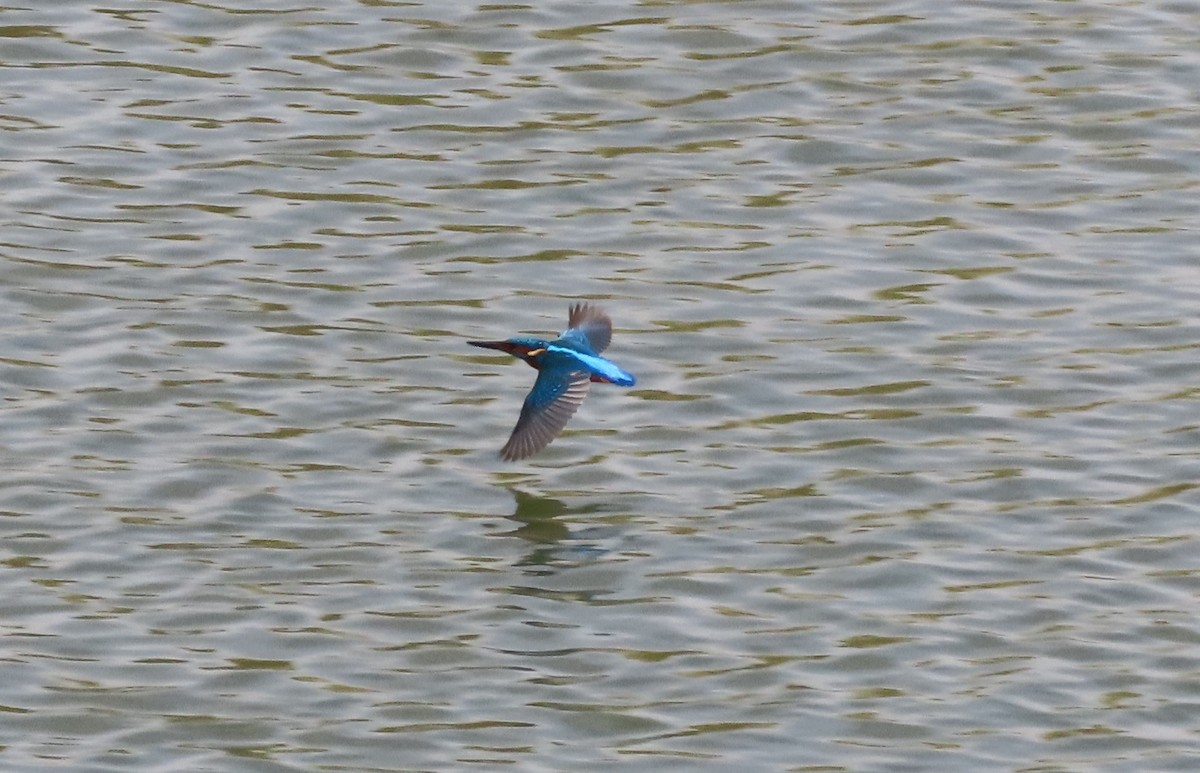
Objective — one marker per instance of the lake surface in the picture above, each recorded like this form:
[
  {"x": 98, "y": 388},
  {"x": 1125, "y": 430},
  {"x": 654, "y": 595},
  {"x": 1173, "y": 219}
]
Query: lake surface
[{"x": 908, "y": 481}]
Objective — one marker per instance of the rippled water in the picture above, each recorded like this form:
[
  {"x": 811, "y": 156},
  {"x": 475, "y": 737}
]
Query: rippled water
[{"x": 908, "y": 481}]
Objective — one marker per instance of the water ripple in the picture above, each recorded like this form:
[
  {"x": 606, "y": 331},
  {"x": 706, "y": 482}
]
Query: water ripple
[{"x": 910, "y": 466}]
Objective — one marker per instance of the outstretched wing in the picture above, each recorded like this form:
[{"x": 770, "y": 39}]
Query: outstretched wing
[
  {"x": 555, "y": 397},
  {"x": 591, "y": 323}
]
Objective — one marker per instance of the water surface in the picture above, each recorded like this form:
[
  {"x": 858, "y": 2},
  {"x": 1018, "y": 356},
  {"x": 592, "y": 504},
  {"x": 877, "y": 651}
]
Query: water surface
[{"x": 908, "y": 480}]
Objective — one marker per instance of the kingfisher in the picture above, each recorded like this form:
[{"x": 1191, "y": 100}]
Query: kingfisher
[{"x": 566, "y": 368}]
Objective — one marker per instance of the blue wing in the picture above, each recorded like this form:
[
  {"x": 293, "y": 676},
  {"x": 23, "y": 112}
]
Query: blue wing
[
  {"x": 556, "y": 395},
  {"x": 589, "y": 325}
]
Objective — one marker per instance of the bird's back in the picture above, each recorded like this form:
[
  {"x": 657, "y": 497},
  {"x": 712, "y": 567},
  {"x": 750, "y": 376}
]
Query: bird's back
[
  {"x": 576, "y": 340},
  {"x": 572, "y": 359}
]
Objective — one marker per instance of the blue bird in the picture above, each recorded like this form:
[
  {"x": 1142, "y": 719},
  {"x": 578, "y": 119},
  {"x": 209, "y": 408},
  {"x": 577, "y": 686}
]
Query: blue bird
[{"x": 566, "y": 367}]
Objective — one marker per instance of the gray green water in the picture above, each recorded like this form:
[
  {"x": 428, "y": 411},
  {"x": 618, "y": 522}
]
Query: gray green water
[{"x": 908, "y": 481}]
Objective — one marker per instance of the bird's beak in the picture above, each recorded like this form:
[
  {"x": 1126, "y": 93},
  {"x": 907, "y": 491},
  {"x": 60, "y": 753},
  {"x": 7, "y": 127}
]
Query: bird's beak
[{"x": 501, "y": 345}]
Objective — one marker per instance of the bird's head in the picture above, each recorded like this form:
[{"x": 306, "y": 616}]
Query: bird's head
[{"x": 528, "y": 349}]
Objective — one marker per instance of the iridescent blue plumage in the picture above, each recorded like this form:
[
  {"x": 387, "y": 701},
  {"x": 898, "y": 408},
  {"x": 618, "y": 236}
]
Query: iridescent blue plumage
[{"x": 566, "y": 367}]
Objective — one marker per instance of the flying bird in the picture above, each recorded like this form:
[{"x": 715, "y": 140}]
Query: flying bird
[{"x": 566, "y": 368}]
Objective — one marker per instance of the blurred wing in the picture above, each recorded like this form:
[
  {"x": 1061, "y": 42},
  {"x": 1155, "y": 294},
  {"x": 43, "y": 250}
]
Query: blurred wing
[
  {"x": 592, "y": 323},
  {"x": 555, "y": 397}
]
